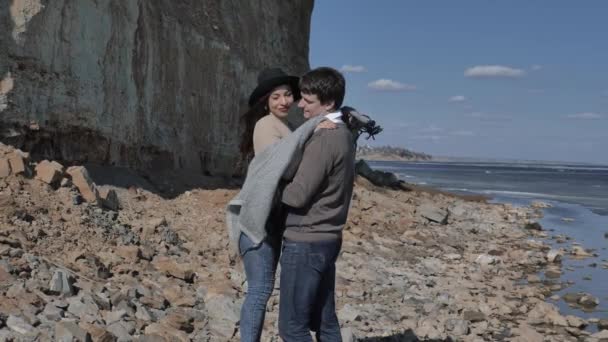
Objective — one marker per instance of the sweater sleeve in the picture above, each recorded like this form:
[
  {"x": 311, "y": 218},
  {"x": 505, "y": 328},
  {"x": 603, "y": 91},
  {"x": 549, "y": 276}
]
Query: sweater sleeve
[{"x": 316, "y": 164}]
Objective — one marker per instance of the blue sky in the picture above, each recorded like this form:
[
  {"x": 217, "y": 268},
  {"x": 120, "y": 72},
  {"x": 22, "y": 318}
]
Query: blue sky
[{"x": 508, "y": 80}]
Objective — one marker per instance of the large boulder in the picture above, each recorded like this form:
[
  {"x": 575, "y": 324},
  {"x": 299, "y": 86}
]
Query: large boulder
[
  {"x": 144, "y": 84},
  {"x": 377, "y": 177}
]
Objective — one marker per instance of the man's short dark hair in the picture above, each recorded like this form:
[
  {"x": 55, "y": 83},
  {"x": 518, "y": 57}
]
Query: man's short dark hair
[{"x": 327, "y": 83}]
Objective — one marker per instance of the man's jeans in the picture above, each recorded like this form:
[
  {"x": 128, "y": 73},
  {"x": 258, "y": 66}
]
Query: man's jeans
[
  {"x": 308, "y": 282},
  {"x": 260, "y": 263}
]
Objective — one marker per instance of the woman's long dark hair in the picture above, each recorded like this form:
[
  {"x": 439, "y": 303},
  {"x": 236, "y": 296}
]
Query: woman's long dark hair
[{"x": 248, "y": 121}]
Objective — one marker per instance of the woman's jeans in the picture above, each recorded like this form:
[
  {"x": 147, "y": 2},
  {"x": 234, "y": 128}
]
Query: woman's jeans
[{"x": 260, "y": 263}]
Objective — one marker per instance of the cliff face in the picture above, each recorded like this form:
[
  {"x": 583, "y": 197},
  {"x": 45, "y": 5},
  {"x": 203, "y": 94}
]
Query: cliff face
[{"x": 144, "y": 84}]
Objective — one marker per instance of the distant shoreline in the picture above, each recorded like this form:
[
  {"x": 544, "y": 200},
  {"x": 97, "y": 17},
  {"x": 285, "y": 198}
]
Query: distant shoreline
[
  {"x": 378, "y": 157},
  {"x": 383, "y": 157}
]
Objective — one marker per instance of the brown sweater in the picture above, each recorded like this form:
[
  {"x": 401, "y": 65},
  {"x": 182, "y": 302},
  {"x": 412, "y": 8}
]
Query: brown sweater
[{"x": 319, "y": 194}]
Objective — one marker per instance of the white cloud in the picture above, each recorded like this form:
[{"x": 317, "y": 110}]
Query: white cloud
[
  {"x": 486, "y": 71},
  {"x": 463, "y": 133},
  {"x": 536, "y": 67},
  {"x": 585, "y": 116},
  {"x": 353, "y": 68},
  {"x": 457, "y": 98},
  {"x": 390, "y": 85}
]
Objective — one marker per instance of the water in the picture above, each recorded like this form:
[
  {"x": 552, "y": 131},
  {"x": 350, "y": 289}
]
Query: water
[
  {"x": 577, "y": 193},
  {"x": 582, "y": 184}
]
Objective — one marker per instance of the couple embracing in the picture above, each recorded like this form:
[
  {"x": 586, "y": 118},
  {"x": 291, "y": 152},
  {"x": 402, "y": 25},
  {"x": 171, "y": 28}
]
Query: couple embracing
[{"x": 294, "y": 202}]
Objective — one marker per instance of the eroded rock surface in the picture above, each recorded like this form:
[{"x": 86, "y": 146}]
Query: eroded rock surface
[{"x": 145, "y": 84}]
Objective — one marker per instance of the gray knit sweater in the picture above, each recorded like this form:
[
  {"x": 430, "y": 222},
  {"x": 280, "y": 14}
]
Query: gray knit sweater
[{"x": 248, "y": 211}]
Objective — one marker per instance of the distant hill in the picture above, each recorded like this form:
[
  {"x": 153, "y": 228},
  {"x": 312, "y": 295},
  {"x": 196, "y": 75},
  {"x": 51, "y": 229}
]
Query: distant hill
[{"x": 389, "y": 153}]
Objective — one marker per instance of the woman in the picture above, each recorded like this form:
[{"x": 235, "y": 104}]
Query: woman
[
  {"x": 265, "y": 123},
  {"x": 266, "y": 120}
]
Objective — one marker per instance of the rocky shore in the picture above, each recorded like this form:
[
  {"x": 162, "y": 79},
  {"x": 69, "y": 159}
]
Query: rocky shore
[{"x": 87, "y": 262}]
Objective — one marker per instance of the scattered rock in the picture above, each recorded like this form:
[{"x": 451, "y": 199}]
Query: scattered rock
[
  {"x": 457, "y": 327},
  {"x": 473, "y": 316},
  {"x": 553, "y": 273},
  {"x": 576, "y": 322},
  {"x": 453, "y": 257},
  {"x": 588, "y": 301},
  {"x": 486, "y": 260},
  {"x": 122, "y": 330},
  {"x": 179, "y": 321},
  {"x": 433, "y": 213},
  {"x": 52, "y": 312},
  {"x": 546, "y": 313},
  {"x": 70, "y": 331},
  {"x": 113, "y": 316},
  {"x": 143, "y": 314},
  {"x": 5, "y": 168},
  {"x": 348, "y": 335},
  {"x": 80, "y": 179},
  {"x": 18, "y": 161},
  {"x": 572, "y": 298},
  {"x": 540, "y": 205},
  {"x": 170, "y": 267},
  {"x": 49, "y": 172},
  {"x": 20, "y": 326},
  {"x": 109, "y": 199},
  {"x": 533, "y": 278},
  {"x": 554, "y": 256},
  {"x": 224, "y": 314},
  {"x": 131, "y": 254},
  {"x": 602, "y": 324},
  {"x": 66, "y": 183},
  {"x": 601, "y": 335},
  {"x": 580, "y": 252},
  {"x": 6, "y": 335},
  {"x": 526, "y": 334},
  {"x": 534, "y": 226},
  {"x": 60, "y": 283},
  {"x": 349, "y": 314},
  {"x": 167, "y": 333}
]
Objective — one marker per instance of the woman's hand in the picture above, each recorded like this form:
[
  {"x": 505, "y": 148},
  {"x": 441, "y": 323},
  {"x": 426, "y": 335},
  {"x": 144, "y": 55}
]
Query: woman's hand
[{"x": 326, "y": 124}]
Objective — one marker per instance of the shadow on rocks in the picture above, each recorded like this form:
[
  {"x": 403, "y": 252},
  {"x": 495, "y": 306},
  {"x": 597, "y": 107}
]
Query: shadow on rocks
[
  {"x": 407, "y": 336},
  {"x": 167, "y": 183}
]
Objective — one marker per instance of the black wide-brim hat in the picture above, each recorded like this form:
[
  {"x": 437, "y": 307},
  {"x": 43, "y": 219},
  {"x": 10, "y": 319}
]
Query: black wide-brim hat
[{"x": 271, "y": 78}]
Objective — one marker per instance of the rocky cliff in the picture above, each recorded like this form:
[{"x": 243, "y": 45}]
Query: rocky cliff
[{"x": 144, "y": 84}]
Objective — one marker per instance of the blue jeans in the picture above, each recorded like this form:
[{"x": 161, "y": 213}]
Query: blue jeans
[
  {"x": 260, "y": 263},
  {"x": 308, "y": 283}
]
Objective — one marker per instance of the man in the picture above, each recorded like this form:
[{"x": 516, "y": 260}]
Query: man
[{"x": 318, "y": 199}]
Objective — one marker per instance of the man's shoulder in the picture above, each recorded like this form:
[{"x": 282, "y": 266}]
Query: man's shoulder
[
  {"x": 340, "y": 132},
  {"x": 336, "y": 139}
]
